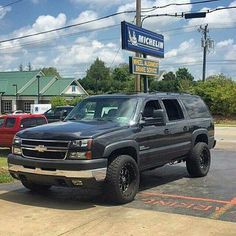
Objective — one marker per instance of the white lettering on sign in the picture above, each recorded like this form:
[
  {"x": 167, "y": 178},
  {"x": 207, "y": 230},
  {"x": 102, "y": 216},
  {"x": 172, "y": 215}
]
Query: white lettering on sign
[{"x": 151, "y": 42}]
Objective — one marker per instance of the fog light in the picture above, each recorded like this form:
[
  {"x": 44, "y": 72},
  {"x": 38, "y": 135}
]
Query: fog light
[
  {"x": 16, "y": 150},
  {"x": 77, "y": 182}
]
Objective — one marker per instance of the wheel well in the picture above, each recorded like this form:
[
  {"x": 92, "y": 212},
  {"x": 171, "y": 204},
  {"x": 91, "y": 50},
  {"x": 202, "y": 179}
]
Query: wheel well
[
  {"x": 125, "y": 151},
  {"x": 201, "y": 138}
]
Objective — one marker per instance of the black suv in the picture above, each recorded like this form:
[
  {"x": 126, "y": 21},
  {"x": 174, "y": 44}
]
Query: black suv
[
  {"x": 58, "y": 113},
  {"x": 110, "y": 139}
]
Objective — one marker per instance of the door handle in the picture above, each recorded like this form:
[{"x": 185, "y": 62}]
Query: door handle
[
  {"x": 185, "y": 128},
  {"x": 166, "y": 131}
]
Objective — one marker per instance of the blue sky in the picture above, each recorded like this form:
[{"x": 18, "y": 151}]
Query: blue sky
[{"x": 72, "y": 51}]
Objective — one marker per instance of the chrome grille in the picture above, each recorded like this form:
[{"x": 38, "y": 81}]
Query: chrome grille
[{"x": 44, "y": 149}]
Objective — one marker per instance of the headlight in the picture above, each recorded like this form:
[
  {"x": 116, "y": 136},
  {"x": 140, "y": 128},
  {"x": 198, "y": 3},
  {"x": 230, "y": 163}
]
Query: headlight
[
  {"x": 83, "y": 143},
  {"x": 16, "y": 141},
  {"x": 80, "y": 155},
  {"x": 16, "y": 146}
]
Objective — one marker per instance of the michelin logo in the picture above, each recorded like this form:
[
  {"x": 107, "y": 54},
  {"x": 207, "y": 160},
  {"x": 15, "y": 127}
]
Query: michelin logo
[{"x": 143, "y": 40}]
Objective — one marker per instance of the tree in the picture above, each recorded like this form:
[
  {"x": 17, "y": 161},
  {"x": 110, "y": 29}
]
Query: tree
[
  {"x": 169, "y": 76},
  {"x": 183, "y": 74},
  {"x": 122, "y": 80},
  {"x": 97, "y": 78},
  {"x": 21, "y": 67},
  {"x": 51, "y": 71},
  {"x": 219, "y": 94},
  {"x": 58, "y": 101}
]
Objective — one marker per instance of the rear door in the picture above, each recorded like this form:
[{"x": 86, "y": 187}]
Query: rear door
[{"x": 177, "y": 128}]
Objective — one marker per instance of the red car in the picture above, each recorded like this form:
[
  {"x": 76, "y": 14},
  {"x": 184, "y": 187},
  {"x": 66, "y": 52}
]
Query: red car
[{"x": 11, "y": 124}]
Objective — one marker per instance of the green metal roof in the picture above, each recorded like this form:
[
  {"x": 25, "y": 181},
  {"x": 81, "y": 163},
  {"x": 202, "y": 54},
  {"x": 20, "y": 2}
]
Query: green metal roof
[
  {"x": 58, "y": 87},
  {"x": 7, "y": 79},
  {"x": 32, "y": 90},
  {"x": 27, "y": 84}
]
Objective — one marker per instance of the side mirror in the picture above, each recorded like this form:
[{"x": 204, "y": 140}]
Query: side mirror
[
  {"x": 157, "y": 119},
  {"x": 63, "y": 114}
]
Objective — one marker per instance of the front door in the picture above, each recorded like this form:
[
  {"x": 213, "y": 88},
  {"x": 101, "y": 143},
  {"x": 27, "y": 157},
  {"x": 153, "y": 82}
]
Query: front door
[{"x": 151, "y": 139}]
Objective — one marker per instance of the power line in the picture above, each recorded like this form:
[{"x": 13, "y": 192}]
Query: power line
[
  {"x": 33, "y": 42},
  {"x": 98, "y": 19},
  {"x": 186, "y": 3},
  {"x": 181, "y": 14},
  {"x": 66, "y": 27},
  {"x": 9, "y": 4}
]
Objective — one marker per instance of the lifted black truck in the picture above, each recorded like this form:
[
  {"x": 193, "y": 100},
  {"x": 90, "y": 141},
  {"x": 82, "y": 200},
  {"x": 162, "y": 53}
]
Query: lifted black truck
[{"x": 110, "y": 139}]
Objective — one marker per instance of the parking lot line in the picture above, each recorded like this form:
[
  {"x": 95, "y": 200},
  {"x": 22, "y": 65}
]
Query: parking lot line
[{"x": 232, "y": 202}]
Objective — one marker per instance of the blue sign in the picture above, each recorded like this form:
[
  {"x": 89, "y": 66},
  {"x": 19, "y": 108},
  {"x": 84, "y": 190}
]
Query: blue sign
[{"x": 140, "y": 40}]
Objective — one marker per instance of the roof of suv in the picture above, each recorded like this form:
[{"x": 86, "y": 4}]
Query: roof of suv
[{"x": 141, "y": 95}]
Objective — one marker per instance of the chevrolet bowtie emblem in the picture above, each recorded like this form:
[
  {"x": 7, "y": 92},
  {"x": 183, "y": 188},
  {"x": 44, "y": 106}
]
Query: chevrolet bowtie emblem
[{"x": 40, "y": 148}]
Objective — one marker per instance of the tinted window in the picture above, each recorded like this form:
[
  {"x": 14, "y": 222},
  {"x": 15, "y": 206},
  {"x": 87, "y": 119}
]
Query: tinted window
[
  {"x": 32, "y": 122},
  {"x": 28, "y": 122},
  {"x": 173, "y": 109},
  {"x": 50, "y": 112},
  {"x": 58, "y": 111},
  {"x": 150, "y": 107},
  {"x": 10, "y": 122},
  {"x": 1, "y": 122},
  {"x": 195, "y": 107},
  {"x": 40, "y": 121}
]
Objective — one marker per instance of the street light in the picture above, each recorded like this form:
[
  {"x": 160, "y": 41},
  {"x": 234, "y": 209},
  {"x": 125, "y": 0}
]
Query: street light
[
  {"x": 15, "y": 85},
  {"x": 38, "y": 77}
]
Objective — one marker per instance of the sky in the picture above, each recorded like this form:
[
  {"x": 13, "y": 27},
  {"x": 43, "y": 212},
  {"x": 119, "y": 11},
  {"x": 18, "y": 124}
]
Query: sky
[{"x": 72, "y": 51}]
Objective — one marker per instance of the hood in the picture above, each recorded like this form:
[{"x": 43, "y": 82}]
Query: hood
[{"x": 69, "y": 130}]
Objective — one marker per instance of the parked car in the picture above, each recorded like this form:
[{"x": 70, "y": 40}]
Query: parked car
[
  {"x": 111, "y": 139},
  {"x": 17, "y": 112},
  {"x": 58, "y": 113},
  {"x": 11, "y": 124}
]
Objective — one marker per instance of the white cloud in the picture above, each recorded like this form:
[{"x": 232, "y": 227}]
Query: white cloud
[
  {"x": 85, "y": 51},
  {"x": 91, "y": 15},
  {"x": 42, "y": 23},
  {"x": 4, "y": 11},
  {"x": 225, "y": 43}
]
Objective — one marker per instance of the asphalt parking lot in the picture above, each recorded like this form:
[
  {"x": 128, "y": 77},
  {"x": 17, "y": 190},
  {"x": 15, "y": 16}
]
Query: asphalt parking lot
[{"x": 169, "y": 202}]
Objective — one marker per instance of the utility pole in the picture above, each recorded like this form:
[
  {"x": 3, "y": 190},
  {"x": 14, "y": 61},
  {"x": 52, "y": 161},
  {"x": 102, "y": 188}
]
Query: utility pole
[
  {"x": 207, "y": 44},
  {"x": 138, "y": 23}
]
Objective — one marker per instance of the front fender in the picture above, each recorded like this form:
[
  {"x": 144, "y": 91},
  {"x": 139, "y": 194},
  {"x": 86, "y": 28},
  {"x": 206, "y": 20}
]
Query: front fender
[{"x": 119, "y": 145}]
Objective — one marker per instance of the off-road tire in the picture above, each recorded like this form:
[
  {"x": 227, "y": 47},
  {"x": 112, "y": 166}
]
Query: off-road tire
[
  {"x": 122, "y": 179},
  {"x": 35, "y": 187},
  {"x": 199, "y": 160}
]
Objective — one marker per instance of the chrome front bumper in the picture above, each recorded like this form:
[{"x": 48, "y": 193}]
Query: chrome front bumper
[{"x": 97, "y": 174}]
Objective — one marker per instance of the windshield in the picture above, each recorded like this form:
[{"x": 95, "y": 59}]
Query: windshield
[{"x": 119, "y": 110}]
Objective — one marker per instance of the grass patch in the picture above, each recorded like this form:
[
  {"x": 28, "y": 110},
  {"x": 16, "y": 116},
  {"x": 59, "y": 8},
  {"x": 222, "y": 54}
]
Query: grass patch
[{"x": 5, "y": 177}]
